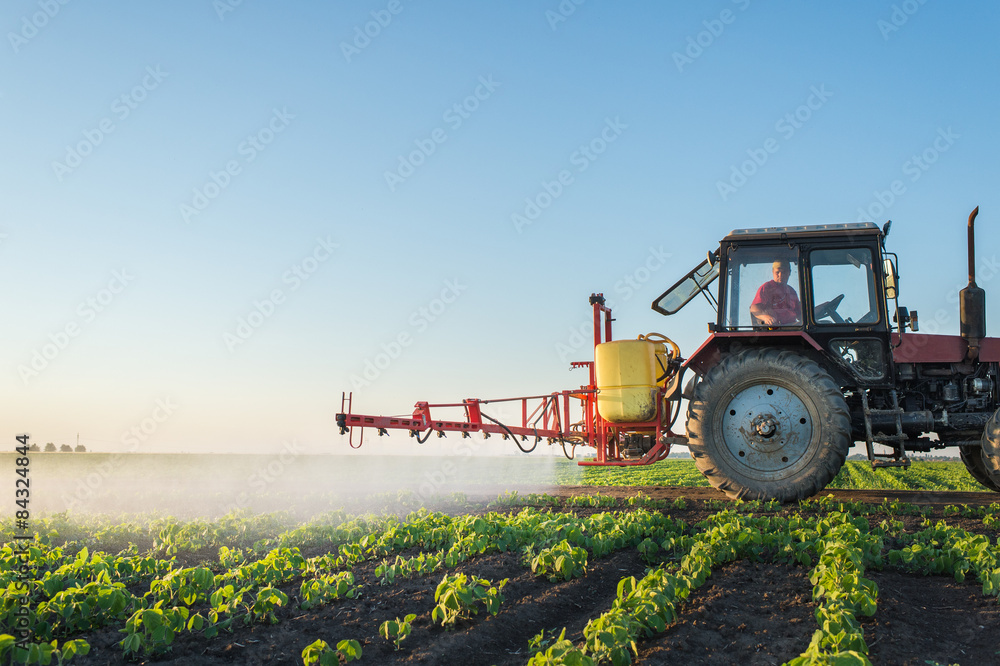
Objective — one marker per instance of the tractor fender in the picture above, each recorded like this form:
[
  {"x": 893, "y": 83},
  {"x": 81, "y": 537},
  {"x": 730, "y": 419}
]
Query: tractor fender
[{"x": 723, "y": 343}]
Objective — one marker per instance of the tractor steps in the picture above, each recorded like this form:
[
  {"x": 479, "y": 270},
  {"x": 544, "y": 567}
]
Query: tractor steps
[{"x": 898, "y": 456}]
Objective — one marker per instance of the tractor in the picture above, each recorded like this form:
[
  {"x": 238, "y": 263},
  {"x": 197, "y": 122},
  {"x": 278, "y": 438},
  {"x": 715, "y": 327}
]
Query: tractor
[{"x": 810, "y": 352}]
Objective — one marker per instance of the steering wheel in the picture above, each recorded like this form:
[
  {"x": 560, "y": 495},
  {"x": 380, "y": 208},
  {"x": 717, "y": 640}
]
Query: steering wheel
[
  {"x": 829, "y": 309},
  {"x": 869, "y": 318}
]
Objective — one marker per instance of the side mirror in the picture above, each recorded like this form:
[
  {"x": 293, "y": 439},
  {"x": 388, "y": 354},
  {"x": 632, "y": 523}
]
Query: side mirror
[
  {"x": 906, "y": 319},
  {"x": 890, "y": 280}
]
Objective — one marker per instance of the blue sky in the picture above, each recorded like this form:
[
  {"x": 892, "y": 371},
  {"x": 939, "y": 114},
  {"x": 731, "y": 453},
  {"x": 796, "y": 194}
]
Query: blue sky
[{"x": 172, "y": 169}]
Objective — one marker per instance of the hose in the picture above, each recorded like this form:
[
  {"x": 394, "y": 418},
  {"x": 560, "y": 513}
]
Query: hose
[
  {"x": 541, "y": 414},
  {"x": 676, "y": 412},
  {"x": 674, "y": 352},
  {"x": 569, "y": 456},
  {"x": 659, "y": 337},
  {"x": 513, "y": 436},
  {"x": 426, "y": 437},
  {"x": 666, "y": 371}
]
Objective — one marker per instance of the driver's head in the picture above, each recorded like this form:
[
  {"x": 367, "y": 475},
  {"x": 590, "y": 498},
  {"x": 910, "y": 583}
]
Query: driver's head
[{"x": 780, "y": 270}]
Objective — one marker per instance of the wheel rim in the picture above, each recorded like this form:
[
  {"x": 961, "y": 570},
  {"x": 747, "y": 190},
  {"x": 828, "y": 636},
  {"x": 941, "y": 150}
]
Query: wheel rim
[{"x": 768, "y": 430}]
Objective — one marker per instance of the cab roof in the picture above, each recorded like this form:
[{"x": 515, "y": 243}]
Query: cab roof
[{"x": 765, "y": 233}]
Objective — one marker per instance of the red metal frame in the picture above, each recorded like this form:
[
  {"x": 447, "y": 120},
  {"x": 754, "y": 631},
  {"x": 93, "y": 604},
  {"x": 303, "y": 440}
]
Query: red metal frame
[
  {"x": 549, "y": 419},
  {"x": 708, "y": 355}
]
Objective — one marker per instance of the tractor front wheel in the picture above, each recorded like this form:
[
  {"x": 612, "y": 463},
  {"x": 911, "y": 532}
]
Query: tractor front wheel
[{"x": 768, "y": 424}]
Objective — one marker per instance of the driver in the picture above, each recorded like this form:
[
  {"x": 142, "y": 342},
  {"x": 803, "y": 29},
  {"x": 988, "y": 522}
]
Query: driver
[{"x": 777, "y": 304}]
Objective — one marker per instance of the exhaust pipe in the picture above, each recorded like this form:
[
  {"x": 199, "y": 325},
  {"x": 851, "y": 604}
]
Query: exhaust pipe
[{"x": 972, "y": 300}]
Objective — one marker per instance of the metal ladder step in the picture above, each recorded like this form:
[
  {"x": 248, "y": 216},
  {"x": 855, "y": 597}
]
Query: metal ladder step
[{"x": 898, "y": 457}]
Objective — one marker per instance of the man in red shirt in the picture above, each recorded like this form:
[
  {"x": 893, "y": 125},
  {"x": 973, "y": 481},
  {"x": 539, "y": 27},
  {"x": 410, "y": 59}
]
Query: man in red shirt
[{"x": 777, "y": 304}]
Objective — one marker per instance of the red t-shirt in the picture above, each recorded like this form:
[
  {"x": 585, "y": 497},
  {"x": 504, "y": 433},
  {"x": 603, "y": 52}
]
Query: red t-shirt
[{"x": 780, "y": 301}]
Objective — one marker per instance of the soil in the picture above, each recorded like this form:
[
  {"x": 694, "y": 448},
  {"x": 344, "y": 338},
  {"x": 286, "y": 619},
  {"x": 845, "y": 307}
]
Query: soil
[{"x": 746, "y": 613}]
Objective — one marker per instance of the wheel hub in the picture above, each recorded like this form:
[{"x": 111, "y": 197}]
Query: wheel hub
[
  {"x": 767, "y": 428},
  {"x": 763, "y": 426}
]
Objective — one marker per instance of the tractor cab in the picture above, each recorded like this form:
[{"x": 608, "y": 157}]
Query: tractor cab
[{"x": 821, "y": 289}]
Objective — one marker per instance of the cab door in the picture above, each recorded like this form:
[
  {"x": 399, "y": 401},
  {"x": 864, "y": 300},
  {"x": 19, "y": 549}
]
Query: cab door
[{"x": 846, "y": 309}]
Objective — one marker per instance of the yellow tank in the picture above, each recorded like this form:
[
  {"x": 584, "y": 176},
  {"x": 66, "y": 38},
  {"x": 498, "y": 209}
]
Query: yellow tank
[{"x": 626, "y": 380}]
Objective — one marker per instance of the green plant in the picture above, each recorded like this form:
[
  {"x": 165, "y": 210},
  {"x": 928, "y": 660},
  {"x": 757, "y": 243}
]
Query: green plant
[
  {"x": 543, "y": 639},
  {"x": 225, "y": 601},
  {"x": 456, "y": 597},
  {"x": 268, "y": 600},
  {"x": 230, "y": 558},
  {"x": 40, "y": 653},
  {"x": 422, "y": 564},
  {"x": 152, "y": 630},
  {"x": 80, "y": 608},
  {"x": 320, "y": 653},
  {"x": 647, "y": 549},
  {"x": 397, "y": 630},
  {"x": 186, "y": 586},
  {"x": 562, "y": 560},
  {"x": 561, "y": 653},
  {"x": 327, "y": 588}
]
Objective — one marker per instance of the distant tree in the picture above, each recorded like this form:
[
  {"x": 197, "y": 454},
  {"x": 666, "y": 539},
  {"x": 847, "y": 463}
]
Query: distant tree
[
  {"x": 66, "y": 448},
  {"x": 50, "y": 447},
  {"x": 34, "y": 447},
  {"x": 80, "y": 448}
]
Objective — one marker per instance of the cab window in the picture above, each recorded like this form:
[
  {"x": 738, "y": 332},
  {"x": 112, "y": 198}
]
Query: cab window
[
  {"x": 843, "y": 284},
  {"x": 762, "y": 288}
]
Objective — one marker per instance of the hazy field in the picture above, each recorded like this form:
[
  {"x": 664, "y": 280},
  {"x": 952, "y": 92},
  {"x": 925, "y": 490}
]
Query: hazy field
[
  {"x": 216, "y": 484},
  {"x": 212, "y": 485}
]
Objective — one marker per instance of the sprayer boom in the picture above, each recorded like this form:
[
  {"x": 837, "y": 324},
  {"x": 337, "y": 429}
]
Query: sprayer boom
[{"x": 639, "y": 441}]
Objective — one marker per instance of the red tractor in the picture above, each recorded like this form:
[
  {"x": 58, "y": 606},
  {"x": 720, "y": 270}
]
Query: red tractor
[{"x": 810, "y": 353}]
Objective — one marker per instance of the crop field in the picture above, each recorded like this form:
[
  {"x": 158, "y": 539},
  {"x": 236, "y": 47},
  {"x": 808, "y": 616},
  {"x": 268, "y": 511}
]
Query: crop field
[
  {"x": 567, "y": 574},
  {"x": 856, "y": 475}
]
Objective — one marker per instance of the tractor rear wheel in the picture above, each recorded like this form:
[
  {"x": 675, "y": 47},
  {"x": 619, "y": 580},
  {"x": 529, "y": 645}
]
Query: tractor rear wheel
[
  {"x": 768, "y": 424},
  {"x": 990, "y": 455},
  {"x": 974, "y": 459}
]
